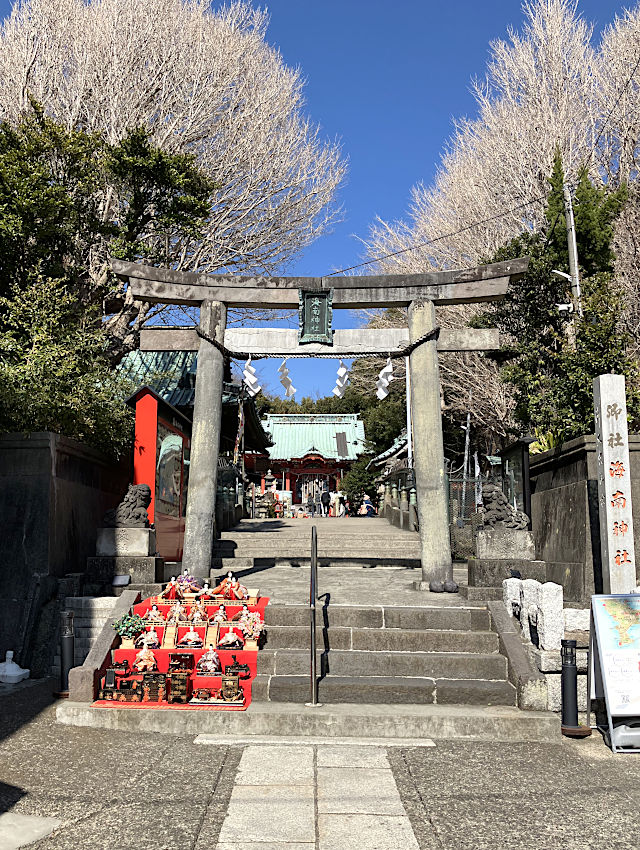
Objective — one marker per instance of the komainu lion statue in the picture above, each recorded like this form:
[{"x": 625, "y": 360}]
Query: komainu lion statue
[
  {"x": 498, "y": 511},
  {"x": 132, "y": 510}
]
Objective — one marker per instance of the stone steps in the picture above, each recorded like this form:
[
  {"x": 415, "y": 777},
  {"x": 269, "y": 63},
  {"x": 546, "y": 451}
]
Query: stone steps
[
  {"x": 330, "y": 722},
  {"x": 383, "y": 640},
  {"x": 385, "y": 690},
  {"x": 357, "y": 556},
  {"x": 433, "y": 665},
  {"x": 90, "y": 615},
  {"x": 292, "y": 533},
  {"x": 235, "y": 565},
  {"x": 379, "y": 616},
  {"x": 336, "y": 542},
  {"x": 366, "y": 654}
]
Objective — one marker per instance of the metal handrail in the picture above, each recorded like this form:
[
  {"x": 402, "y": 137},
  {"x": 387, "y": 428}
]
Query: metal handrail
[{"x": 313, "y": 595}]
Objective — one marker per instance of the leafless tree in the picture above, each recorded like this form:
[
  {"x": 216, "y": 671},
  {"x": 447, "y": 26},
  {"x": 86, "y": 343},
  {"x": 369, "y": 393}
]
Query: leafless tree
[
  {"x": 619, "y": 151},
  {"x": 200, "y": 81},
  {"x": 547, "y": 88}
]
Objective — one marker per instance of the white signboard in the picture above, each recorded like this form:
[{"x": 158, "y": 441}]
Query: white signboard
[
  {"x": 617, "y": 652},
  {"x": 614, "y": 485}
]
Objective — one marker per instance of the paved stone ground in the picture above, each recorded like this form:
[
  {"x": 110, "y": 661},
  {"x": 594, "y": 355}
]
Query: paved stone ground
[
  {"x": 347, "y": 585},
  {"x": 353, "y": 586},
  {"x": 102, "y": 789}
]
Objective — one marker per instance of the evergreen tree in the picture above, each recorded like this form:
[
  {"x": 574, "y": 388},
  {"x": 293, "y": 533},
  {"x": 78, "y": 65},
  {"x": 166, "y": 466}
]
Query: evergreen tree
[
  {"x": 56, "y": 360},
  {"x": 553, "y": 356}
]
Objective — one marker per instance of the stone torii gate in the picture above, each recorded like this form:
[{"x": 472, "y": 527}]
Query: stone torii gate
[{"x": 421, "y": 293}]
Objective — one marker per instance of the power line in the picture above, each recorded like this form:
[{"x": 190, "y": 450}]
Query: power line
[
  {"x": 442, "y": 236},
  {"x": 506, "y": 212}
]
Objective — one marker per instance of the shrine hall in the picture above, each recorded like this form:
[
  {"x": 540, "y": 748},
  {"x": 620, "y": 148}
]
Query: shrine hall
[{"x": 310, "y": 452}]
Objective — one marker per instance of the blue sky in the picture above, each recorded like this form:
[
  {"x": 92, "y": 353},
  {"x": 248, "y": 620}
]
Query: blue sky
[{"x": 386, "y": 78}]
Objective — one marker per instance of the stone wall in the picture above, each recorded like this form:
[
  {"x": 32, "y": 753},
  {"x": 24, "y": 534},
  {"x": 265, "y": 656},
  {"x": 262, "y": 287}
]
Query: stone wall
[
  {"x": 538, "y": 609},
  {"x": 53, "y": 493},
  {"x": 564, "y": 514}
]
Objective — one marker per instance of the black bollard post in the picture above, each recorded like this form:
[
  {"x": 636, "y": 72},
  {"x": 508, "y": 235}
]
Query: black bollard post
[
  {"x": 67, "y": 651},
  {"x": 569, "y": 685},
  {"x": 569, "y": 691}
]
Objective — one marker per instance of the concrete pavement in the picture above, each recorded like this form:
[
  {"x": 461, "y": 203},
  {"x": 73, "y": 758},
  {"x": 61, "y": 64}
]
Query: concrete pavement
[{"x": 144, "y": 791}]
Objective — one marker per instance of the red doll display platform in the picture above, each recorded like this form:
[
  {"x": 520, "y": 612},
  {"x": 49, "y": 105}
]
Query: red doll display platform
[{"x": 201, "y": 645}]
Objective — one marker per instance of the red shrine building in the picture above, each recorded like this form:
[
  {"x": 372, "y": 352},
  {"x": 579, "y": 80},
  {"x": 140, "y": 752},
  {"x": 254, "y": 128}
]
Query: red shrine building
[{"x": 310, "y": 452}]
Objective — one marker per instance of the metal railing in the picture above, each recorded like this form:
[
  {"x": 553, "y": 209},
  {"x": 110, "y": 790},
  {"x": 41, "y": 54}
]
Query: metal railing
[{"x": 313, "y": 596}]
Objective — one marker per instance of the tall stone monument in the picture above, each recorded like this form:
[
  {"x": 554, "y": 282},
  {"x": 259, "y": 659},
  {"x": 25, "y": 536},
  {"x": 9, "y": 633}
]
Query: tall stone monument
[{"x": 614, "y": 485}]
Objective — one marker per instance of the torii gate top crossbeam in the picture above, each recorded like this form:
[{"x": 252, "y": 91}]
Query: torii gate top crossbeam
[{"x": 462, "y": 286}]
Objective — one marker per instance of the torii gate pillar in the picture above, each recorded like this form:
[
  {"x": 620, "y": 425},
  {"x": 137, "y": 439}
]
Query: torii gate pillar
[
  {"x": 205, "y": 440},
  {"x": 428, "y": 449}
]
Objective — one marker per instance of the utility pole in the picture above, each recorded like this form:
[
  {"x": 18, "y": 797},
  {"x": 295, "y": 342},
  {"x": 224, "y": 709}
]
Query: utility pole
[
  {"x": 466, "y": 463},
  {"x": 408, "y": 402},
  {"x": 573, "y": 250}
]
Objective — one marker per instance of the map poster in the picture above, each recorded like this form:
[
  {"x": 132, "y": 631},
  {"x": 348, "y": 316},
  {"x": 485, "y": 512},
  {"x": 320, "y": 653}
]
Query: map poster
[{"x": 617, "y": 634}]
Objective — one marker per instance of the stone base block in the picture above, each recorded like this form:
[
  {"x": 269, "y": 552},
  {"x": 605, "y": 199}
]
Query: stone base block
[
  {"x": 126, "y": 542},
  {"x": 491, "y": 572},
  {"x": 550, "y": 660},
  {"x": 142, "y": 570},
  {"x": 481, "y": 594},
  {"x": 501, "y": 542},
  {"x": 555, "y": 691}
]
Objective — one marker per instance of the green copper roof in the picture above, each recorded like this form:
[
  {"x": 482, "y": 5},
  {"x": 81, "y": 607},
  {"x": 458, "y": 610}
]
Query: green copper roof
[
  {"x": 172, "y": 374},
  {"x": 398, "y": 444},
  {"x": 333, "y": 436}
]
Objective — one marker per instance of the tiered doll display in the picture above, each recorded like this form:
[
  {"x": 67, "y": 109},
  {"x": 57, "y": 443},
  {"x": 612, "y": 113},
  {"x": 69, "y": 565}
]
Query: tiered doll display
[{"x": 194, "y": 646}]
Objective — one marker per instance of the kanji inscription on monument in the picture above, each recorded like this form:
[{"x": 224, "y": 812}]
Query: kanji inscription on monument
[
  {"x": 614, "y": 485},
  {"x": 315, "y": 316}
]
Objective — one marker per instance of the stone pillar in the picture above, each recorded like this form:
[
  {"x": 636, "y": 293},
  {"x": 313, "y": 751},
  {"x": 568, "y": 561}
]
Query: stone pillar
[
  {"x": 205, "y": 441},
  {"x": 428, "y": 452},
  {"x": 614, "y": 485}
]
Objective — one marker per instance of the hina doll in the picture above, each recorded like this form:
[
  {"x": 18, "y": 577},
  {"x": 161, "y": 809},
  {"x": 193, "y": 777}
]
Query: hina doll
[
  {"x": 191, "y": 639},
  {"x": 154, "y": 614},
  {"x": 177, "y": 613},
  {"x": 219, "y": 617},
  {"x": 209, "y": 663},
  {"x": 198, "y": 613},
  {"x": 145, "y": 661},
  {"x": 231, "y": 640},
  {"x": 188, "y": 584},
  {"x": 205, "y": 594},
  {"x": 235, "y": 590},
  {"x": 220, "y": 589},
  {"x": 172, "y": 591},
  {"x": 149, "y": 639}
]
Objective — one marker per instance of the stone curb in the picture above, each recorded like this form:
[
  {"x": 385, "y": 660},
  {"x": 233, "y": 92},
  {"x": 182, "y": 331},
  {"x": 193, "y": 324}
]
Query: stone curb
[
  {"x": 83, "y": 681},
  {"x": 530, "y": 684}
]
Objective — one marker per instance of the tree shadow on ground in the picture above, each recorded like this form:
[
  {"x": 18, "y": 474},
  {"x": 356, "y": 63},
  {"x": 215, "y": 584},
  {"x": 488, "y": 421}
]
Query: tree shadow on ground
[{"x": 19, "y": 705}]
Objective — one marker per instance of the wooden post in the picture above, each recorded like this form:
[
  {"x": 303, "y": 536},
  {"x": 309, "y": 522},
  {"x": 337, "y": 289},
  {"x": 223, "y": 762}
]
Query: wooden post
[
  {"x": 428, "y": 453},
  {"x": 205, "y": 441}
]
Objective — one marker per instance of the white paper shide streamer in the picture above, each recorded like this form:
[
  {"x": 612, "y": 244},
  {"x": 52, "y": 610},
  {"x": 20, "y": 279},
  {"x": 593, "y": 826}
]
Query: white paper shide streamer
[
  {"x": 249, "y": 379},
  {"x": 341, "y": 381},
  {"x": 384, "y": 379},
  {"x": 285, "y": 380}
]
